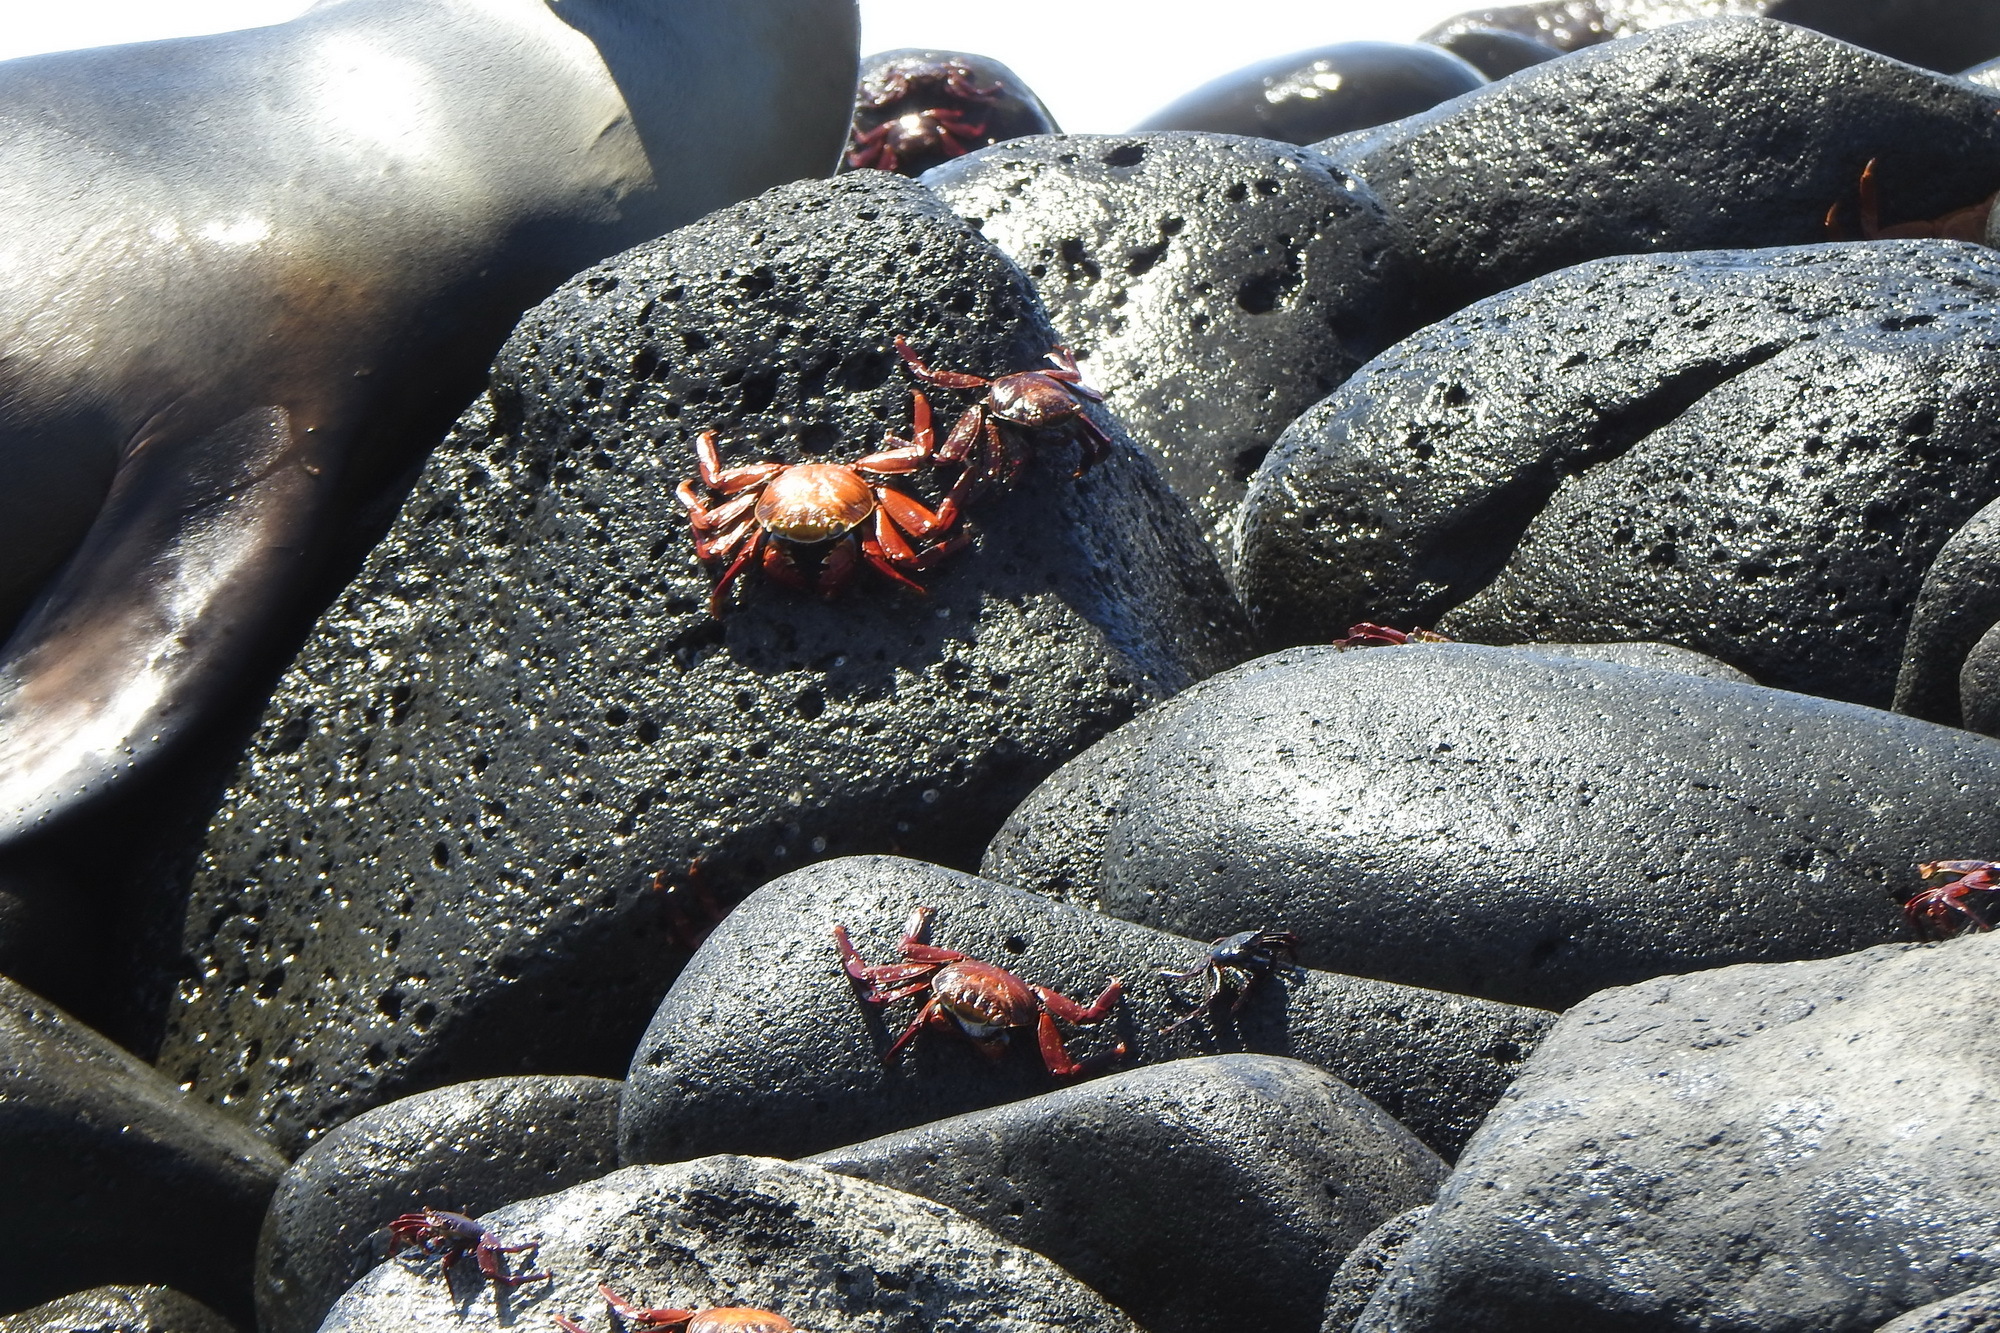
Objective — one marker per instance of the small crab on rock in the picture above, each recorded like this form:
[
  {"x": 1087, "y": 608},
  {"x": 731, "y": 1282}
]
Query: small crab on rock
[
  {"x": 435, "y": 1232},
  {"x": 994, "y": 438},
  {"x": 915, "y": 113},
  {"x": 1237, "y": 963},
  {"x": 1368, "y": 634},
  {"x": 1947, "y": 909},
  {"x": 722, "y": 1319},
  {"x": 768, "y": 512},
  {"x": 982, "y": 1003}
]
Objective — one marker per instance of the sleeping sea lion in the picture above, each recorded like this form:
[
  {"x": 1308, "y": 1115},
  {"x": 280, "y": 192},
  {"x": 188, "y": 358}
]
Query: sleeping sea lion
[{"x": 245, "y": 280}]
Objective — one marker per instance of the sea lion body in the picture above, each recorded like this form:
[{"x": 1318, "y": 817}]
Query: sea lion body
[{"x": 246, "y": 278}]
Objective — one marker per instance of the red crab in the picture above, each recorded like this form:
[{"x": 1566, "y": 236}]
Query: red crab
[
  {"x": 723, "y": 1319},
  {"x": 1236, "y": 963},
  {"x": 932, "y": 130},
  {"x": 1945, "y": 909},
  {"x": 1961, "y": 224},
  {"x": 773, "y": 509},
  {"x": 1367, "y": 634},
  {"x": 454, "y": 1235},
  {"x": 983, "y": 1003},
  {"x": 992, "y": 437}
]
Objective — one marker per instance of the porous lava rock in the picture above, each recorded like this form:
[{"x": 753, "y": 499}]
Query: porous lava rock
[
  {"x": 114, "y": 1175},
  {"x": 1754, "y": 454},
  {"x": 1941, "y": 34},
  {"x": 1974, "y": 1310},
  {"x": 1312, "y": 95},
  {"x": 1165, "y": 1188},
  {"x": 119, "y": 1310},
  {"x": 1213, "y": 286},
  {"x": 1772, "y": 1149},
  {"x": 1361, "y": 1272},
  {"x": 460, "y": 840},
  {"x": 1725, "y": 132},
  {"x": 1956, "y": 606},
  {"x": 763, "y": 1044},
  {"x": 467, "y": 1148},
  {"x": 1054, "y": 842},
  {"x": 828, "y": 1252},
  {"x": 1531, "y": 830}
]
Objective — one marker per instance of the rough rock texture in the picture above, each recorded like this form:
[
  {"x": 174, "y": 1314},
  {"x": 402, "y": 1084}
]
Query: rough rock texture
[
  {"x": 1975, "y": 1310},
  {"x": 119, "y": 1310},
  {"x": 1215, "y": 287},
  {"x": 832, "y": 1254},
  {"x": 1958, "y": 603},
  {"x": 1802, "y": 1148},
  {"x": 763, "y": 1046},
  {"x": 440, "y": 857},
  {"x": 1942, "y": 34},
  {"x": 1754, "y": 454},
  {"x": 1312, "y": 95},
  {"x": 1483, "y": 822},
  {"x": 112, "y": 1174},
  {"x": 1199, "y": 1194},
  {"x": 1054, "y": 842},
  {"x": 1727, "y": 132},
  {"x": 468, "y": 1148},
  {"x": 1361, "y": 1272}
]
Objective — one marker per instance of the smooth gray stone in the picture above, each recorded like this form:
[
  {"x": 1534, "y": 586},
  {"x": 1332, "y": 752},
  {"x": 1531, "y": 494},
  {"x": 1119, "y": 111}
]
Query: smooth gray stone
[
  {"x": 1732, "y": 132},
  {"x": 830, "y": 1253},
  {"x": 468, "y": 1148},
  {"x": 112, "y": 1174},
  {"x": 1163, "y": 1188},
  {"x": 1312, "y": 95},
  {"x": 1494, "y": 52},
  {"x": 1214, "y": 286},
  {"x": 1798, "y": 1148},
  {"x": 1974, "y": 1310},
  {"x": 763, "y": 1045},
  {"x": 119, "y": 1309},
  {"x": 1754, "y": 454},
  {"x": 1361, "y": 1272},
  {"x": 465, "y": 826},
  {"x": 1484, "y": 822},
  {"x": 1658, "y": 656}
]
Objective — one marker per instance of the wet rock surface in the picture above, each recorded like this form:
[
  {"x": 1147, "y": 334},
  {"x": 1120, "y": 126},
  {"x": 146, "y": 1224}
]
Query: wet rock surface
[
  {"x": 763, "y": 1045},
  {"x": 112, "y": 1174},
  {"x": 1790, "y": 1147},
  {"x": 1754, "y": 454},
  {"x": 1725, "y": 132},
  {"x": 1214, "y": 287},
  {"x": 1479, "y": 821},
  {"x": 1312, "y": 95},
  {"x": 1164, "y": 1188},
  {"x": 830, "y": 1253},
  {"x": 1940, "y": 34},
  {"x": 1494, "y": 52},
  {"x": 1361, "y": 1272},
  {"x": 1974, "y": 1310},
  {"x": 519, "y": 741},
  {"x": 1956, "y": 606},
  {"x": 468, "y": 1148},
  {"x": 119, "y": 1310}
]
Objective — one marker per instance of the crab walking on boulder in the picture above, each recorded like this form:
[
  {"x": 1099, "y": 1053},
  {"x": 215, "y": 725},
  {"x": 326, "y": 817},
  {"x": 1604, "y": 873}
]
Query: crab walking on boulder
[
  {"x": 435, "y": 1232},
  {"x": 994, "y": 437},
  {"x": 983, "y": 1003}
]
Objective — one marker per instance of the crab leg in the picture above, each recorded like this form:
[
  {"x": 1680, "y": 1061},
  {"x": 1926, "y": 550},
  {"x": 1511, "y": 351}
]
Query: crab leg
[
  {"x": 713, "y": 476},
  {"x": 1070, "y": 1011},
  {"x": 944, "y": 379},
  {"x": 932, "y": 1010},
  {"x": 716, "y": 598}
]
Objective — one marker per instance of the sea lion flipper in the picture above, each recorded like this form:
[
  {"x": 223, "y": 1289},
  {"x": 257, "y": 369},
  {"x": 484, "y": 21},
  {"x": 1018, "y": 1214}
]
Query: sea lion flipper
[{"x": 197, "y": 544}]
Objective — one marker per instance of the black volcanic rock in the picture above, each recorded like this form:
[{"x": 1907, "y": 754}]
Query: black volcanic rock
[
  {"x": 1724, "y": 132},
  {"x": 1312, "y": 95},
  {"x": 1361, "y": 1272},
  {"x": 831, "y": 1253},
  {"x": 763, "y": 1046},
  {"x": 1494, "y": 52},
  {"x": 1957, "y": 605},
  {"x": 1942, "y": 34},
  {"x": 1215, "y": 287},
  {"x": 111, "y": 1174},
  {"x": 1164, "y": 1187},
  {"x": 1974, "y": 1310},
  {"x": 1754, "y": 454},
  {"x": 468, "y": 1148},
  {"x": 119, "y": 1310},
  {"x": 1773, "y": 1149},
  {"x": 1485, "y": 822},
  {"x": 458, "y": 843}
]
